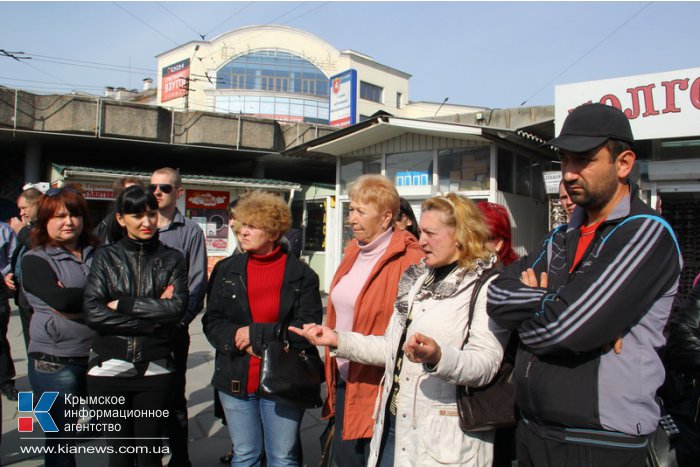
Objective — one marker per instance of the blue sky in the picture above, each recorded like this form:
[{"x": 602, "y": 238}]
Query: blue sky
[{"x": 491, "y": 54}]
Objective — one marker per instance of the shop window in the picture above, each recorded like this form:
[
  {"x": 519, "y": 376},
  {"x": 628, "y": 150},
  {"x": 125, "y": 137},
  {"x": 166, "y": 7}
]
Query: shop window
[
  {"x": 353, "y": 167},
  {"x": 411, "y": 172},
  {"x": 370, "y": 92},
  {"x": 506, "y": 171},
  {"x": 465, "y": 169},
  {"x": 315, "y": 231}
]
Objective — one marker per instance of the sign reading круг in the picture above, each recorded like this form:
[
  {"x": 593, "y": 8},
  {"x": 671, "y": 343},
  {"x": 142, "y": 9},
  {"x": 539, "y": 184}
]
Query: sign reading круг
[{"x": 659, "y": 105}]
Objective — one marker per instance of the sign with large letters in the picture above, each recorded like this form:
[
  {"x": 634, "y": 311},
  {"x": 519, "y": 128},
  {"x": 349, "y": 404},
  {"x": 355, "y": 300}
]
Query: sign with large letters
[
  {"x": 175, "y": 80},
  {"x": 659, "y": 105}
]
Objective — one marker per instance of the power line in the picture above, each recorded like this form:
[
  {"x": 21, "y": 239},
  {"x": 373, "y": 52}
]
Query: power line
[
  {"x": 94, "y": 67},
  {"x": 229, "y": 18},
  {"x": 588, "y": 53},
  {"x": 145, "y": 23},
  {"x": 87, "y": 61},
  {"x": 180, "y": 20}
]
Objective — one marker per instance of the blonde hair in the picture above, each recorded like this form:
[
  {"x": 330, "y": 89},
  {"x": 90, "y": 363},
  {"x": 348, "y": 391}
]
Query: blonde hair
[
  {"x": 264, "y": 210},
  {"x": 471, "y": 232},
  {"x": 378, "y": 190}
]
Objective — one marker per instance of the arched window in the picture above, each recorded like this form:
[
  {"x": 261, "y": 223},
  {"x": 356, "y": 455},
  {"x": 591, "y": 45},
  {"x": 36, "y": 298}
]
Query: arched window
[{"x": 273, "y": 71}]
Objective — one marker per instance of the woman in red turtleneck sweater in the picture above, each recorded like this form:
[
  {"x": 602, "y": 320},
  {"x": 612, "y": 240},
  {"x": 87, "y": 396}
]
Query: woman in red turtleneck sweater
[{"x": 249, "y": 296}]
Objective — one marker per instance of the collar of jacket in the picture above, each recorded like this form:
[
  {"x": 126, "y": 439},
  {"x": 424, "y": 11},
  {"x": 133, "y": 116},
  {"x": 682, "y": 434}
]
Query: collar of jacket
[
  {"x": 293, "y": 270},
  {"x": 399, "y": 242},
  {"x": 138, "y": 245},
  {"x": 620, "y": 211},
  {"x": 58, "y": 252}
]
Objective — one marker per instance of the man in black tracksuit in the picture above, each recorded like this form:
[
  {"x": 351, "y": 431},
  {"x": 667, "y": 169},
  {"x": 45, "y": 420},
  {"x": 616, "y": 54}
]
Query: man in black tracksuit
[{"x": 590, "y": 307}]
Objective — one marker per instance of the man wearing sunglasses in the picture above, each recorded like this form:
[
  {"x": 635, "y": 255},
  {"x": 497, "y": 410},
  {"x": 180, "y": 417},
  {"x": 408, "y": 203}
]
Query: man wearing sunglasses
[{"x": 176, "y": 231}]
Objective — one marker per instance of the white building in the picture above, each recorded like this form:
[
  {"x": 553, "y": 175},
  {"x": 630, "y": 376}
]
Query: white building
[{"x": 286, "y": 74}]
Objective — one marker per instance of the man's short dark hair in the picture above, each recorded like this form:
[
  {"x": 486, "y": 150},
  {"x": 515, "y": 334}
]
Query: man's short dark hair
[{"x": 617, "y": 147}]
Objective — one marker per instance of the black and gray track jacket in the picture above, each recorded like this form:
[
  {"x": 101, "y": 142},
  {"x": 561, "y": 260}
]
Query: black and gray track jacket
[{"x": 623, "y": 286}]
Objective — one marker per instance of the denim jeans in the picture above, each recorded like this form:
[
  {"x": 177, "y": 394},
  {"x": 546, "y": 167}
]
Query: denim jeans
[
  {"x": 66, "y": 379},
  {"x": 351, "y": 452},
  {"x": 386, "y": 453},
  {"x": 253, "y": 419}
]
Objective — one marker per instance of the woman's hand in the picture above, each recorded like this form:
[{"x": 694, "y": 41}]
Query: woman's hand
[
  {"x": 113, "y": 305},
  {"x": 168, "y": 293},
  {"x": 242, "y": 338},
  {"x": 422, "y": 349},
  {"x": 317, "y": 334}
]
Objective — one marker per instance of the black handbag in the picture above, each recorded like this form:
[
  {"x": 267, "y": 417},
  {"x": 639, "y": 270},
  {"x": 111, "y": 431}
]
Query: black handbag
[
  {"x": 291, "y": 376},
  {"x": 493, "y": 405}
]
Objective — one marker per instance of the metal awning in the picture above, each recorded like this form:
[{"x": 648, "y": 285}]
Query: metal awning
[{"x": 110, "y": 175}]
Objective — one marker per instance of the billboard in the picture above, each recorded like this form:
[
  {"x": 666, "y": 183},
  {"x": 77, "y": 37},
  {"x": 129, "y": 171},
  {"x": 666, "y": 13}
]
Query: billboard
[
  {"x": 174, "y": 80},
  {"x": 343, "y": 99},
  {"x": 659, "y": 105}
]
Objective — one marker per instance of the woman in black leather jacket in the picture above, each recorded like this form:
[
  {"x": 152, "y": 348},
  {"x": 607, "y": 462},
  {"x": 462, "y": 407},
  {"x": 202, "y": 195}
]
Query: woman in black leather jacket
[
  {"x": 682, "y": 390},
  {"x": 250, "y": 295},
  {"x": 135, "y": 296}
]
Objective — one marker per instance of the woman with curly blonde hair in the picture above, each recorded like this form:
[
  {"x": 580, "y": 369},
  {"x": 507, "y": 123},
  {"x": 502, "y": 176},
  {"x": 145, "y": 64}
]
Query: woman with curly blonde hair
[
  {"x": 250, "y": 295},
  {"x": 423, "y": 351}
]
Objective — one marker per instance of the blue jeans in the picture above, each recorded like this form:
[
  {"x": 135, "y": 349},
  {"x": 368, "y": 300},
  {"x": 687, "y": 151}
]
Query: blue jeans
[
  {"x": 66, "y": 379},
  {"x": 386, "y": 453},
  {"x": 252, "y": 420}
]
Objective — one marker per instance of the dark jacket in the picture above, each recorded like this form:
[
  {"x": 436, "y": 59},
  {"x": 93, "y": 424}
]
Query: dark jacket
[
  {"x": 228, "y": 310},
  {"x": 683, "y": 348},
  {"x": 135, "y": 273},
  {"x": 623, "y": 286}
]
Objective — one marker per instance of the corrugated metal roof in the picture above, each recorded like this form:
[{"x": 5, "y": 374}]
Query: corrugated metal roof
[{"x": 190, "y": 179}]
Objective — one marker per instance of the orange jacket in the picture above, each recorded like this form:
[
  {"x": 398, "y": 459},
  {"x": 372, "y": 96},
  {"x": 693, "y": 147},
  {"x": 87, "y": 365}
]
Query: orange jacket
[{"x": 373, "y": 308}]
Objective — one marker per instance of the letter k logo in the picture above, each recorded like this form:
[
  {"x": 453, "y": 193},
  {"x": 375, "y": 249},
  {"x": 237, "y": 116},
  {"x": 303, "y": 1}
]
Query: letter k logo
[{"x": 40, "y": 411}]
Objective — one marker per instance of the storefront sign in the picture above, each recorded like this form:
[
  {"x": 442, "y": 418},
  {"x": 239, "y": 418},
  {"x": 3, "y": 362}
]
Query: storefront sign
[
  {"x": 209, "y": 209},
  {"x": 343, "y": 99},
  {"x": 660, "y": 105},
  {"x": 551, "y": 181},
  {"x": 174, "y": 80},
  {"x": 96, "y": 192}
]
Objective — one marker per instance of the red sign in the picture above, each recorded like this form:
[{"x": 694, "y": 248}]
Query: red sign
[
  {"x": 206, "y": 199},
  {"x": 175, "y": 80}
]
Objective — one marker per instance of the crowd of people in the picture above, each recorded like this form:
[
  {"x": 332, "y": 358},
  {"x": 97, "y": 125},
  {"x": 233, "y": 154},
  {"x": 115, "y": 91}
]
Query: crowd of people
[{"x": 582, "y": 320}]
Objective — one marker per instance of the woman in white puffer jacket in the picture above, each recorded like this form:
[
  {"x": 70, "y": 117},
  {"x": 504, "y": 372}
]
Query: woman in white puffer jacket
[{"x": 416, "y": 419}]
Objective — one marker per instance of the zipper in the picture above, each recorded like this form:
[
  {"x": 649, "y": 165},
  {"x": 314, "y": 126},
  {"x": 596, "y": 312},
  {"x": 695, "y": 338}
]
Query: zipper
[
  {"x": 529, "y": 365},
  {"x": 138, "y": 293}
]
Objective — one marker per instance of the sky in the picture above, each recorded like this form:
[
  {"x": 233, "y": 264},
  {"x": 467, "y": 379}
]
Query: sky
[{"x": 487, "y": 54}]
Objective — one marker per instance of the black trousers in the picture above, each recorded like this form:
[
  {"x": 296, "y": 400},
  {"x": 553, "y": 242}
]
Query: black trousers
[
  {"x": 148, "y": 393},
  {"x": 352, "y": 452},
  {"x": 177, "y": 422},
  {"x": 535, "y": 451},
  {"x": 7, "y": 367}
]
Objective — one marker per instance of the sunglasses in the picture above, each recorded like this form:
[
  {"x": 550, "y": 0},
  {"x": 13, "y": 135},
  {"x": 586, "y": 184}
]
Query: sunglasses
[
  {"x": 56, "y": 191},
  {"x": 164, "y": 187}
]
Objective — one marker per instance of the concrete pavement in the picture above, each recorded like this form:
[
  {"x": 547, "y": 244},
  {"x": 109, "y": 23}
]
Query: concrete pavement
[{"x": 208, "y": 437}]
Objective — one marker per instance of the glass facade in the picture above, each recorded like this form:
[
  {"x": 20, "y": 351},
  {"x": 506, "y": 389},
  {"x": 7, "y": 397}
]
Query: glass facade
[
  {"x": 273, "y": 72},
  {"x": 353, "y": 167},
  {"x": 411, "y": 172}
]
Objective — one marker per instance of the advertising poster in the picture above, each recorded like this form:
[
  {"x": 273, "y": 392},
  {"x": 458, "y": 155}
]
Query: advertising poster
[
  {"x": 174, "y": 80},
  {"x": 343, "y": 99},
  {"x": 209, "y": 209}
]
